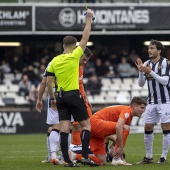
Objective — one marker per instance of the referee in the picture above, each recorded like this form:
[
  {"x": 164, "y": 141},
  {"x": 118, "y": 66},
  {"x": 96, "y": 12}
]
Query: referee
[{"x": 65, "y": 68}]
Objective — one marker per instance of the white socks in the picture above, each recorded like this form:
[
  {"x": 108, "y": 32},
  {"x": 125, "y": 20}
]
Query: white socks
[
  {"x": 54, "y": 143},
  {"x": 148, "y": 139},
  {"x": 165, "y": 145}
]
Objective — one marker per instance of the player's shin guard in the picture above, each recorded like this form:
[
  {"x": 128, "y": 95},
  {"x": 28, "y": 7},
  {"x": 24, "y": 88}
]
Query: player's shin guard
[
  {"x": 148, "y": 140},
  {"x": 85, "y": 137},
  {"x": 64, "y": 146}
]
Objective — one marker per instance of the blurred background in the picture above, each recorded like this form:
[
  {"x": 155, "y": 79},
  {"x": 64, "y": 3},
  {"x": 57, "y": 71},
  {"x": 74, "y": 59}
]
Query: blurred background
[{"x": 31, "y": 33}]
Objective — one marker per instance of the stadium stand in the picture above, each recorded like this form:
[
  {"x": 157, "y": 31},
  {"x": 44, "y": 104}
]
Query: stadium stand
[
  {"x": 3, "y": 88},
  {"x": 1, "y": 102},
  {"x": 115, "y": 91}
]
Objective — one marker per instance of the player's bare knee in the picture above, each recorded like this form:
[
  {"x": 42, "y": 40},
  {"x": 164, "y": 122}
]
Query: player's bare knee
[
  {"x": 85, "y": 125},
  {"x": 165, "y": 126},
  {"x": 56, "y": 126},
  {"x": 49, "y": 129},
  {"x": 149, "y": 127},
  {"x": 65, "y": 126}
]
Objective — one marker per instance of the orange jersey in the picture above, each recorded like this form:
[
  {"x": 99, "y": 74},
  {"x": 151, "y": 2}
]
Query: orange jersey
[
  {"x": 82, "y": 92},
  {"x": 81, "y": 87},
  {"x": 113, "y": 113},
  {"x": 103, "y": 123}
]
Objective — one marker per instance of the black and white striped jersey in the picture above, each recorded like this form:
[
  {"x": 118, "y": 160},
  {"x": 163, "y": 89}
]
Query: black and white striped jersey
[{"x": 158, "y": 93}]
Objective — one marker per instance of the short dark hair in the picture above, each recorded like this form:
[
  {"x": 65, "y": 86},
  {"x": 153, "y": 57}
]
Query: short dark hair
[
  {"x": 87, "y": 52},
  {"x": 158, "y": 45},
  {"x": 69, "y": 40},
  {"x": 137, "y": 100}
]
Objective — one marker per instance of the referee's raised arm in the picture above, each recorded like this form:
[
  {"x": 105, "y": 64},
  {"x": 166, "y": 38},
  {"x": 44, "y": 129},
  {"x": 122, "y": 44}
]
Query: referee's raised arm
[{"x": 87, "y": 29}]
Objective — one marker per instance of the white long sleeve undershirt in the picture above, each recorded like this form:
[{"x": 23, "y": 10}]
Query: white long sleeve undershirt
[
  {"x": 162, "y": 80},
  {"x": 141, "y": 79}
]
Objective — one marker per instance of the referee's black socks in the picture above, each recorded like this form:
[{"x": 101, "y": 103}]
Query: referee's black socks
[
  {"x": 64, "y": 146},
  {"x": 85, "y": 137}
]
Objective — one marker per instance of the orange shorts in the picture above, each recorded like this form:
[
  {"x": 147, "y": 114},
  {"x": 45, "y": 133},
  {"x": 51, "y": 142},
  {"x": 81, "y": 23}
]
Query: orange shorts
[
  {"x": 99, "y": 130},
  {"x": 89, "y": 113}
]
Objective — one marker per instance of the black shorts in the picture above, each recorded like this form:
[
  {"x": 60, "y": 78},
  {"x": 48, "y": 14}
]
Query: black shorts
[{"x": 71, "y": 103}]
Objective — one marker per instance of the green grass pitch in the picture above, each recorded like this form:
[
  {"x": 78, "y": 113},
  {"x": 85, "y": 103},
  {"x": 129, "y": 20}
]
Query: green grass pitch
[{"x": 25, "y": 152}]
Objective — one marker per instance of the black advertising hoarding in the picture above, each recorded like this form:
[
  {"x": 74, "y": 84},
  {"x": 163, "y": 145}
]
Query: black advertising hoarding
[
  {"x": 23, "y": 122},
  {"x": 34, "y": 122},
  {"x": 64, "y": 19},
  {"x": 108, "y": 18},
  {"x": 15, "y": 18}
]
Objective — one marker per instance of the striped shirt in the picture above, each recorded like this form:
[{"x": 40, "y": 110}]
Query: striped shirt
[{"x": 158, "y": 93}]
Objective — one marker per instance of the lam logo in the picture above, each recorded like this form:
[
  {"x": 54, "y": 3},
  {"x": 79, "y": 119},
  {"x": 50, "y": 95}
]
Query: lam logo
[{"x": 67, "y": 17}]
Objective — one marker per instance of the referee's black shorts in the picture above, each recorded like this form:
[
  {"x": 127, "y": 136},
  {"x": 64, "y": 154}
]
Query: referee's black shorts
[{"x": 71, "y": 103}]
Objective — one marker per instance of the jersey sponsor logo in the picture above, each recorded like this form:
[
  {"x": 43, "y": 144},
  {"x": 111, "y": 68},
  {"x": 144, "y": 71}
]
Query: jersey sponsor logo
[
  {"x": 67, "y": 17},
  {"x": 8, "y": 122},
  {"x": 127, "y": 115}
]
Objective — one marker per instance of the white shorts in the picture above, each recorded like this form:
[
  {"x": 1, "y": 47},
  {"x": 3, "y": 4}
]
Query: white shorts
[
  {"x": 157, "y": 113},
  {"x": 52, "y": 117}
]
